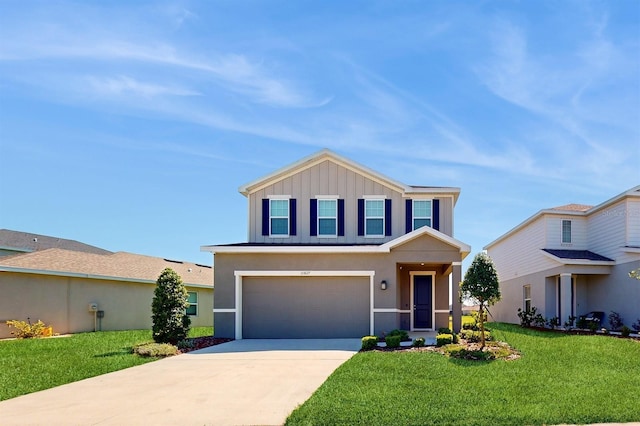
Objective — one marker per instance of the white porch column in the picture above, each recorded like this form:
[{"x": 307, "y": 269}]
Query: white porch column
[
  {"x": 456, "y": 305},
  {"x": 565, "y": 297}
]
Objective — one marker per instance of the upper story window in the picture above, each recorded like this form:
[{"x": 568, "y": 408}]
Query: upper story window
[
  {"x": 566, "y": 232},
  {"x": 374, "y": 218},
  {"x": 421, "y": 213},
  {"x": 279, "y": 217},
  {"x": 327, "y": 218}
]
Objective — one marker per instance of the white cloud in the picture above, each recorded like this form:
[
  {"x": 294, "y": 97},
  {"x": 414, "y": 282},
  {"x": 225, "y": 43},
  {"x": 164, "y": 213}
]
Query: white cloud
[{"x": 123, "y": 85}]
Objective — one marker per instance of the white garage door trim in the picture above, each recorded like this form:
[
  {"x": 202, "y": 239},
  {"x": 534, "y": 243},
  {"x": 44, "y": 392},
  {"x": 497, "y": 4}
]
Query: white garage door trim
[{"x": 241, "y": 274}]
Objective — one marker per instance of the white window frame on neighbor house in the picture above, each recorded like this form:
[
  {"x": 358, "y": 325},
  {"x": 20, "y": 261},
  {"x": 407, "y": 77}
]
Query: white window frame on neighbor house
[
  {"x": 566, "y": 231},
  {"x": 333, "y": 216},
  {"x": 193, "y": 304},
  {"x": 526, "y": 297},
  {"x": 416, "y": 217},
  {"x": 279, "y": 217},
  {"x": 368, "y": 217}
]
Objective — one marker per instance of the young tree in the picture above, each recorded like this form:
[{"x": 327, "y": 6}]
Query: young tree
[
  {"x": 481, "y": 283},
  {"x": 635, "y": 274},
  {"x": 168, "y": 309}
]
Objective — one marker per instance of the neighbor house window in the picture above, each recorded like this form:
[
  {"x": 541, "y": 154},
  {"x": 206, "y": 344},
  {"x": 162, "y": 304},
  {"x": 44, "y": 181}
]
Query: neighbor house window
[
  {"x": 327, "y": 218},
  {"x": 566, "y": 231},
  {"x": 421, "y": 213},
  {"x": 526, "y": 295},
  {"x": 192, "y": 310},
  {"x": 374, "y": 218},
  {"x": 279, "y": 217}
]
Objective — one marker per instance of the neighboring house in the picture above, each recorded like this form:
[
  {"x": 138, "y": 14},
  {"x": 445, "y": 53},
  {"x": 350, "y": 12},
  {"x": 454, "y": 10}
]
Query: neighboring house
[
  {"x": 17, "y": 242},
  {"x": 58, "y": 286},
  {"x": 338, "y": 250},
  {"x": 571, "y": 260}
]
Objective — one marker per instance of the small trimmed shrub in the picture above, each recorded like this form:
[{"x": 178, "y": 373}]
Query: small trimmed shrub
[
  {"x": 155, "y": 350},
  {"x": 538, "y": 321},
  {"x": 26, "y": 330},
  {"x": 369, "y": 342},
  {"x": 404, "y": 335},
  {"x": 625, "y": 331},
  {"x": 444, "y": 339},
  {"x": 393, "y": 341},
  {"x": 615, "y": 320},
  {"x": 444, "y": 330},
  {"x": 553, "y": 322},
  {"x": 568, "y": 324},
  {"x": 526, "y": 317},
  {"x": 418, "y": 342},
  {"x": 472, "y": 336}
]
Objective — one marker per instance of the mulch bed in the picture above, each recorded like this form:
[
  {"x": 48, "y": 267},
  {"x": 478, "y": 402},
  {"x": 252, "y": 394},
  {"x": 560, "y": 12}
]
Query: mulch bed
[{"x": 203, "y": 342}]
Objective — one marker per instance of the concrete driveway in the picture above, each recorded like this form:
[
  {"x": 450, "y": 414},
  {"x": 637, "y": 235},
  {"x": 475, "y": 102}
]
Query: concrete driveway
[{"x": 244, "y": 382}]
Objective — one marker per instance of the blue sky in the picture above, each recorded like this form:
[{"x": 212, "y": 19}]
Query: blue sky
[{"x": 131, "y": 125}]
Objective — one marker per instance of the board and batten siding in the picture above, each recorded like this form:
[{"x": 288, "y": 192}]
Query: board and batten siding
[
  {"x": 608, "y": 233},
  {"x": 329, "y": 178},
  {"x": 579, "y": 240},
  {"x": 521, "y": 253}
]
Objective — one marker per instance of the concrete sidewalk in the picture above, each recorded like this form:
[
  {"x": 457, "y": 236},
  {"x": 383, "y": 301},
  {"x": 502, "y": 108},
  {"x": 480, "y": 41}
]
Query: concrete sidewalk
[{"x": 244, "y": 382}]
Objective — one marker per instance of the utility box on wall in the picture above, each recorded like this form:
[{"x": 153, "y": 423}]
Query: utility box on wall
[{"x": 93, "y": 307}]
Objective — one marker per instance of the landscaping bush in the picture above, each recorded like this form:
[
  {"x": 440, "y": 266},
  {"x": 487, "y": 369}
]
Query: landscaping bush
[
  {"x": 473, "y": 336},
  {"x": 155, "y": 350},
  {"x": 526, "y": 317},
  {"x": 444, "y": 330},
  {"x": 625, "y": 331},
  {"x": 444, "y": 339},
  {"x": 418, "y": 342},
  {"x": 369, "y": 342},
  {"x": 393, "y": 341},
  {"x": 26, "y": 330},
  {"x": 553, "y": 322},
  {"x": 404, "y": 335},
  {"x": 615, "y": 320},
  {"x": 169, "y": 309}
]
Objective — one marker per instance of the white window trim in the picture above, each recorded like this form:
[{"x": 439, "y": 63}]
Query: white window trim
[
  {"x": 326, "y": 198},
  {"x": 414, "y": 217},
  {"x": 562, "y": 241},
  {"x": 196, "y": 304},
  {"x": 524, "y": 296},
  {"x": 367, "y": 235},
  {"x": 288, "y": 200}
]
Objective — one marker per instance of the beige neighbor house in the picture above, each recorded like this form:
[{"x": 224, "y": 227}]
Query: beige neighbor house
[
  {"x": 338, "y": 250},
  {"x": 572, "y": 260},
  {"x": 59, "y": 286}
]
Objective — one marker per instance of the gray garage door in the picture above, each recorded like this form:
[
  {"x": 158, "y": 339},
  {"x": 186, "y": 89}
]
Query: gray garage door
[{"x": 305, "y": 308}]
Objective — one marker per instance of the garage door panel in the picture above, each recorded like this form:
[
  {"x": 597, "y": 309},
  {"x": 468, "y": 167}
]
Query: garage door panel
[{"x": 309, "y": 307}]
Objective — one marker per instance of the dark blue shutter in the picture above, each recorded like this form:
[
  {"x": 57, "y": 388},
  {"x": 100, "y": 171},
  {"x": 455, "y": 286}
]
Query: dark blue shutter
[
  {"x": 360, "y": 217},
  {"x": 265, "y": 216},
  {"x": 341, "y": 218},
  {"x": 387, "y": 218},
  {"x": 409, "y": 216},
  {"x": 436, "y": 214},
  {"x": 292, "y": 216},
  {"x": 313, "y": 217}
]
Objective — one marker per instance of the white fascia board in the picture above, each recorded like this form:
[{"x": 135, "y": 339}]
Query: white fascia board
[
  {"x": 633, "y": 193},
  {"x": 629, "y": 249},
  {"x": 291, "y": 249},
  {"x": 564, "y": 261},
  {"x": 425, "y": 230},
  {"x": 88, "y": 276},
  {"x": 317, "y": 158}
]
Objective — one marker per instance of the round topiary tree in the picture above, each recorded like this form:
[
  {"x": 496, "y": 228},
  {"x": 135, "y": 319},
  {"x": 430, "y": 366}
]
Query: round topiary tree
[
  {"x": 481, "y": 283},
  {"x": 168, "y": 310}
]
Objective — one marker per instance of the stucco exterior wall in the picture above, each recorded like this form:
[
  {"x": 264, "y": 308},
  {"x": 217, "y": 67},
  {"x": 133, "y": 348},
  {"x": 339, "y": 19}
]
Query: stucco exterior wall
[{"x": 63, "y": 302}]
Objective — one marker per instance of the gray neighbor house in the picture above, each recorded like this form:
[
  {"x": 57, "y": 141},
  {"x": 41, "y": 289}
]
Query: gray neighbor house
[
  {"x": 336, "y": 249},
  {"x": 572, "y": 260}
]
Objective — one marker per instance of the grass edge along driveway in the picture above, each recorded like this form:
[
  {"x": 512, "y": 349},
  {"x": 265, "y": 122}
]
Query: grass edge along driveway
[
  {"x": 559, "y": 379},
  {"x": 30, "y": 365}
]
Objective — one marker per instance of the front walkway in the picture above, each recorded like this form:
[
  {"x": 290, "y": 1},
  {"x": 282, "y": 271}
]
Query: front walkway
[{"x": 240, "y": 382}]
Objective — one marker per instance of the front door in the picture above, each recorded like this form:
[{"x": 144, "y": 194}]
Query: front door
[{"x": 422, "y": 301}]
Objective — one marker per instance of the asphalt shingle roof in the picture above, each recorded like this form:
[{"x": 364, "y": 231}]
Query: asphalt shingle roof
[
  {"x": 26, "y": 241},
  {"x": 578, "y": 255}
]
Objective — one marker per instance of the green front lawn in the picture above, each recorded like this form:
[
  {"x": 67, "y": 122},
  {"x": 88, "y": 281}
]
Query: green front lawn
[
  {"x": 559, "y": 379},
  {"x": 30, "y": 365}
]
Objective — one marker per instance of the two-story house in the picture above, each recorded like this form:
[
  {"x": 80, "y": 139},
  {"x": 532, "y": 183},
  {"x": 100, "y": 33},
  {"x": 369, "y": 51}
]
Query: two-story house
[
  {"x": 571, "y": 260},
  {"x": 338, "y": 250}
]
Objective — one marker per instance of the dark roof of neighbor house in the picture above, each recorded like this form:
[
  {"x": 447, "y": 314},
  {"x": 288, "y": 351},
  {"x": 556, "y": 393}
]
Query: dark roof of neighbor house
[
  {"x": 578, "y": 255},
  {"x": 121, "y": 265},
  {"x": 27, "y": 242}
]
